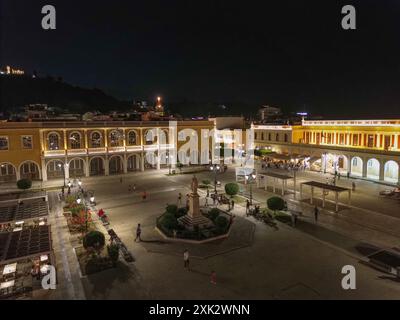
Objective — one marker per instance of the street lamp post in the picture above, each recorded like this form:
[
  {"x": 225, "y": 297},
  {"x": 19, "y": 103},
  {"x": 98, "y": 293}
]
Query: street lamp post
[
  {"x": 250, "y": 178},
  {"x": 215, "y": 168},
  {"x": 63, "y": 170}
]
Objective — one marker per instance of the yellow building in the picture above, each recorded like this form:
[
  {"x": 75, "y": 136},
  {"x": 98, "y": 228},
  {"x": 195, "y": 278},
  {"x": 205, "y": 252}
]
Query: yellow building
[
  {"x": 45, "y": 150},
  {"x": 364, "y": 148}
]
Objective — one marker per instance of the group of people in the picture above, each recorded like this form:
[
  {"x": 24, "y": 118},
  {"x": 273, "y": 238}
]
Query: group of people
[{"x": 268, "y": 163}]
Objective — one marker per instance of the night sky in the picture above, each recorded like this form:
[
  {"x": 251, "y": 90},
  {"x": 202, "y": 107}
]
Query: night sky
[{"x": 292, "y": 54}]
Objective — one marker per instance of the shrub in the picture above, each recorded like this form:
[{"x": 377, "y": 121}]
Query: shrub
[
  {"x": 169, "y": 221},
  {"x": 213, "y": 214},
  {"x": 231, "y": 189},
  {"x": 76, "y": 210},
  {"x": 94, "y": 239},
  {"x": 113, "y": 253},
  {"x": 24, "y": 184},
  {"x": 172, "y": 208},
  {"x": 181, "y": 212},
  {"x": 206, "y": 182},
  {"x": 221, "y": 222},
  {"x": 275, "y": 203}
]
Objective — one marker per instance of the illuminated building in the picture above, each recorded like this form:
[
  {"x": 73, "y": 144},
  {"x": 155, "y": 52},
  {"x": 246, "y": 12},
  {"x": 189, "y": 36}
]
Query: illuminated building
[
  {"x": 363, "y": 148},
  {"x": 41, "y": 150}
]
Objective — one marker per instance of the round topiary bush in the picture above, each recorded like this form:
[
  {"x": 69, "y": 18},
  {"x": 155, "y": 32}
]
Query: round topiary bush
[
  {"x": 172, "y": 208},
  {"x": 231, "y": 189},
  {"x": 169, "y": 221},
  {"x": 275, "y": 203},
  {"x": 213, "y": 214},
  {"x": 113, "y": 253},
  {"x": 221, "y": 222},
  {"x": 24, "y": 184},
  {"x": 94, "y": 239}
]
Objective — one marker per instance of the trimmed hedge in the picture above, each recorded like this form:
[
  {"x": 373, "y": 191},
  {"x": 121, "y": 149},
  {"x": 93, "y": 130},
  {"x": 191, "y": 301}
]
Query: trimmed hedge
[{"x": 24, "y": 184}]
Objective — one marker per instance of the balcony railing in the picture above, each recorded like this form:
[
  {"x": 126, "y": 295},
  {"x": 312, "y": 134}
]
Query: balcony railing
[
  {"x": 97, "y": 150},
  {"x": 74, "y": 152},
  {"x": 54, "y": 153},
  {"x": 116, "y": 149}
]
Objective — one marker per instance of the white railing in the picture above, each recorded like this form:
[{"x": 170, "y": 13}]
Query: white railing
[
  {"x": 74, "y": 152},
  {"x": 116, "y": 149},
  {"x": 97, "y": 150},
  {"x": 54, "y": 153}
]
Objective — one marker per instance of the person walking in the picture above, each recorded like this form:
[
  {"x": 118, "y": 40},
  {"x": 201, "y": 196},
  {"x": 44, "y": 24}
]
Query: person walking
[
  {"x": 206, "y": 203},
  {"x": 247, "y": 206},
  {"x": 353, "y": 186},
  {"x": 186, "y": 259},
  {"x": 180, "y": 198},
  {"x": 138, "y": 233},
  {"x": 134, "y": 187},
  {"x": 130, "y": 188},
  {"x": 144, "y": 195},
  {"x": 316, "y": 212},
  {"x": 214, "y": 199},
  {"x": 293, "y": 220},
  {"x": 348, "y": 174},
  {"x": 120, "y": 180},
  {"x": 233, "y": 204}
]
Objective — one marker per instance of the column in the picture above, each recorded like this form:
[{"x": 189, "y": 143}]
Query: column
[
  {"x": 142, "y": 162},
  {"x": 106, "y": 166},
  {"x": 381, "y": 170},
  {"x": 137, "y": 160},
  {"x": 364, "y": 167},
  {"x": 44, "y": 171},
  {"x": 87, "y": 167},
  {"x": 283, "y": 187},
  {"x": 125, "y": 164},
  {"x": 66, "y": 170},
  {"x": 349, "y": 164}
]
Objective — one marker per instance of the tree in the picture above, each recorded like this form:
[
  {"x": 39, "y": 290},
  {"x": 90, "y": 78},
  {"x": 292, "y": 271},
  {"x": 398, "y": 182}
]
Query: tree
[
  {"x": 275, "y": 203},
  {"x": 94, "y": 239},
  {"x": 113, "y": 253},
  {"x": 169, "y": 221},
  {"x": 24, "y": 184},
  {"x": 232, "y": 189}
]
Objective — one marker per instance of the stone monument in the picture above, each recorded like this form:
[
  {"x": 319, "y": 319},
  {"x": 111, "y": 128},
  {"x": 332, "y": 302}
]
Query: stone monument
[{"x": 194, "y": 216}]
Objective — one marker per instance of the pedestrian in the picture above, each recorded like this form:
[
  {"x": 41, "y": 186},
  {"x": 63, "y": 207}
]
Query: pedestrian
[
  {"x": 213, "y": 277},
  {"x": 180, "y": 198},
  {"x": 62, "y": 191},
  {"x": 214, "y": 199},
  {"x": 206, "y": 203},
  {"x": 134, "y": 187},
  {"x": 186, "y": 259},
  {"x": 69, "y": 191},
  {"x": 338, "y": 176},
  {"x": 144, "y": 195},
  {"x": 247, "y": 206},
  {"x": 233, "y": 204},
  {"x": 353, "y": 186},
  {"x": 348, "y": 174},
  {"x": 138, "y": 233},
  {"x": 130, "y": 188},
  {"x": 316, "y": 212},
  {"x": 120, "y": 180}
]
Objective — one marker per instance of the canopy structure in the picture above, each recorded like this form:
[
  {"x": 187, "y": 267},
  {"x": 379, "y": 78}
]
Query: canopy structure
[
  {"x": 275, "y": 178},
  {"x": 242, "y": 172},
  {"x": 27, "y": 243},
  {"x": 21, "y": 211},
  {"x": 325, "y": 190}
]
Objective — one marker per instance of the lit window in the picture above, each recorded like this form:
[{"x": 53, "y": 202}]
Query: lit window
[
  {"x": 132, "y": 138},
  {"x": 75, "y": 139},
  {"x": 3, "y": 143},
  {"x": 26, "y": 142},
  {"x": 54, "y": 141},
  {"x": 95, "y": 139}
]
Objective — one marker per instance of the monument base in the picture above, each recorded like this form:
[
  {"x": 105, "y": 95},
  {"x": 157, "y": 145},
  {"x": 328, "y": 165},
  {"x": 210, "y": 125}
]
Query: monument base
[{"x": 199, "y": 220}]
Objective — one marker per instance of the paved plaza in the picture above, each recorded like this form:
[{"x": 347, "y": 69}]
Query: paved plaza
[{"x": 256, "y": 262}]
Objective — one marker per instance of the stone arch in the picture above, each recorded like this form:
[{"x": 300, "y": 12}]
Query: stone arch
[
  {"x": 133, "y": 162},
  {"x": 96, "y": 166},
  {"x": 116, "y": 164},
  {"x": 132, "y": 137},
  {"x": 54, "y": 169},
  {"x": 29, "y": 169},
  {"x": 75, "y": 140},
  {"x": 373, "y": 167},
  {"x": 8, "y": 172},
  {"x": 356, "y": 166},
  {"x": 53, "y": 140},
  {"x": 77, "y": 167},
  {"x": 391, "y": 171},
  {"x": 95, "y": 139}
]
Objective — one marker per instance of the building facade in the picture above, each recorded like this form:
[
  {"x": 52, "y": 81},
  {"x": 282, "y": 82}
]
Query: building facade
[
  {"x": 365, "y": 148},
  {"x": 47, "y": 150}
]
